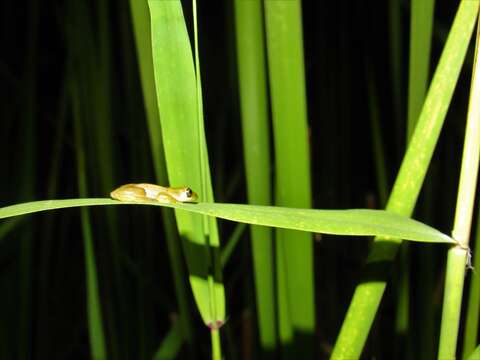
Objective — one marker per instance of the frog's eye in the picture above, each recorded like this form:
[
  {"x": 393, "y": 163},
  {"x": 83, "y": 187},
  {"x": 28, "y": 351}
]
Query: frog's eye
[{"x": 188, "y": 192}]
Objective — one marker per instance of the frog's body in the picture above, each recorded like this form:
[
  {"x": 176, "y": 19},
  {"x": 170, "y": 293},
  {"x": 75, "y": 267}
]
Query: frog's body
[{"x": 149, "y": 192}]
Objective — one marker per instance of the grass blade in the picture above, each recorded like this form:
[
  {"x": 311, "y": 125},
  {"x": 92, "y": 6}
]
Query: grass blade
[
  {"x": 177, "y": 103},
  {"x": 141, "y": 25},
  {"x": 292, "y": 167},
  {"x": 256, "y": 149},
  {"x": 354, "y": 222}
]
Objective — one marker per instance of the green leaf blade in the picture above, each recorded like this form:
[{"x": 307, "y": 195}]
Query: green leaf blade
[
  {"x": 352, "y": 222},
  {"x": 185, "y": 150}
]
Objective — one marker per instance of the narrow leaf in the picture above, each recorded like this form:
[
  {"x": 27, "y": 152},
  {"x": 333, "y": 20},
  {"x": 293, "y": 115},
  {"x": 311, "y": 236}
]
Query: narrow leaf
[{"x": 355, "y": 222}]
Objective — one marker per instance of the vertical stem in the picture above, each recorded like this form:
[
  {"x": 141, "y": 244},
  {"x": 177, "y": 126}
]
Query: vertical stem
[
  {"x": 452, "y": 302},
  {"x": 457, "y": 255},
  {"x": 473, "y": 310},
  {"x": 216, "y": 348}
]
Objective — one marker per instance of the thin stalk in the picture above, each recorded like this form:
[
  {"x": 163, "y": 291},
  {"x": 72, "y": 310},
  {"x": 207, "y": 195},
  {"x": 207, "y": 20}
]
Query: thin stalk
[
  {"x": 217, "y": 299},
  {"x": 216, "y": 347},
  {"x": 473, "y": 309},
  {"x": 215, "y": 308},
  {"x": 457, "y": 255},
  {"x": 452, "y": 302}
]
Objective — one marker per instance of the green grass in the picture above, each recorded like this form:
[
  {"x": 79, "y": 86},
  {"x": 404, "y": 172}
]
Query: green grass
[
  {"x": 368, "y": 294},
  {"x": 290, "y": 119}
]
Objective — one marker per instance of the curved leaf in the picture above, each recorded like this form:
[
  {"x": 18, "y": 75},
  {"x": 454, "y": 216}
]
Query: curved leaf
[{"x": 359, "y": 222}]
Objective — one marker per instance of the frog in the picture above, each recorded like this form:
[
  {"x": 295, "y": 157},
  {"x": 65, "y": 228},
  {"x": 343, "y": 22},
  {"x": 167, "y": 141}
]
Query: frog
[{"x": 147, "y": 192}]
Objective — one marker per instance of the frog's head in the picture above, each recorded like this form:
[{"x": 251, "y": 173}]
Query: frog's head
[{"x": 185, "y": 194}]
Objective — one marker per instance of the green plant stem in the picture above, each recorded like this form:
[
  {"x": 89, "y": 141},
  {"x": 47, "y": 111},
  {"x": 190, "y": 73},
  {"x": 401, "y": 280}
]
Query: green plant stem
[
  {"x": 217, "y": 298},
  {"x": 369, "y": 292},
  {"x": 473, "y": 309},
  {"x": 452, "y": 302},
  {"x": 216, "y": 348},
  {"x": 463, "y": 219}
]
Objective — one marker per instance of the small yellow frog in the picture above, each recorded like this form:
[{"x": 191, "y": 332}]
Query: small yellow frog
[{"x": 146, "y": 192}]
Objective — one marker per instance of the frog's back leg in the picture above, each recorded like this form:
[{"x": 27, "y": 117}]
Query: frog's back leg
[
  {"x": 129, "y": 192},
  {"x": 165, "y": 198}
]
